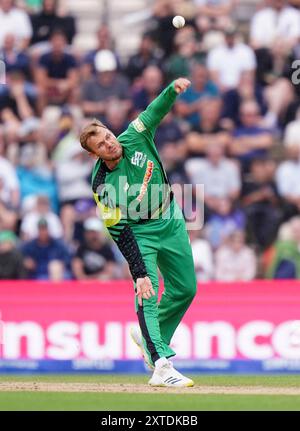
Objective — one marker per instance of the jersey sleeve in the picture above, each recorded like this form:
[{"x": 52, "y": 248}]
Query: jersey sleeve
[{"x": 152, "y": 116}]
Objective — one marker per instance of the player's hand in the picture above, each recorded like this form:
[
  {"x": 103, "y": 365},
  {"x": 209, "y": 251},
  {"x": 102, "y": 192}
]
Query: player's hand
[
  {"x": 181, "y": 85},
  {"x": 144, "y": 289}
]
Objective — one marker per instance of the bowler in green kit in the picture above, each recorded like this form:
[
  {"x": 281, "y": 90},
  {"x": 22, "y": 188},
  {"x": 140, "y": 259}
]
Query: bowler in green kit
[{"x": 139, "y": 210}]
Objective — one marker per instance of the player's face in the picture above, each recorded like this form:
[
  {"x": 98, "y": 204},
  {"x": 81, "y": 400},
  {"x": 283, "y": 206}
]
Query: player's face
[{"x": 105, "y": 146}]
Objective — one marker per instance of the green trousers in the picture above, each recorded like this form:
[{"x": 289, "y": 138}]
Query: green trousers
[{"x": 164, "y": 244}]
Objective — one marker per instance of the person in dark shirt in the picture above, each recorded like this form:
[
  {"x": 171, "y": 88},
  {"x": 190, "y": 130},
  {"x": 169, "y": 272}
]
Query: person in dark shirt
[
  {"x": 47, "y": 20},
  {"x": 46, "y": 258},
  {"x": 146, "y": 56},
  {"x": 11, "y": 260},
  {"x": 94, "y": 258},
  {"x": 152, "y": 81},
  {"x": 57, "y": 74},
  {"x": 261, "y": 203}
]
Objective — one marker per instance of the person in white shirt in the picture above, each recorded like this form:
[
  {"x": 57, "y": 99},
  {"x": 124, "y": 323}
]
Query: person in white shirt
[
  {"x": 41, "y": 209},
  {"x": 9, "y": 184},
  {"x": 16, "y": 20},
  {"x": 214, "y": 14},
  {"x": 227, "y": 61},
  {"x": 278, "y": 21},
  {"x": 288, "y": 178},
  {"x": 203, "y": 257},
  {"x": 235, "y": 261},
  {"x": 219, "y": 175}
]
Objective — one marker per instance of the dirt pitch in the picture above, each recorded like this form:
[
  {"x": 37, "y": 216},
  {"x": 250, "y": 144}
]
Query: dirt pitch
[{"x": 143, "y": 389}]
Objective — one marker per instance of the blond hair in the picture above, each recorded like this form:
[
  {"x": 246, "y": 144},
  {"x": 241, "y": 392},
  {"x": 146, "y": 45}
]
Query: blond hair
[{"x": 88, "y": 131}]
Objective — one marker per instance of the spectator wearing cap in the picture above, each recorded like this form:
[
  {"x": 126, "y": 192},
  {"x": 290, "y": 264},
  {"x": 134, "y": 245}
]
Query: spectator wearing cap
[
  {"x": 46, "y": 258},
  {"x": 235, "y": 261},
  {"x": 108, "y": 85},
  {"x": 29, "y": 225},
  {"x": 105, "y": 41},
  {"x": 251, "y": 139},
  {"x": 57, "y": 74},
  {"x": 16, "y": 19},
  {"x": 227, "y": 61},
  {"x": 11, "y": 260},
  {"x": 94, "y": 258},
  {"x": 202, "y": 88}
]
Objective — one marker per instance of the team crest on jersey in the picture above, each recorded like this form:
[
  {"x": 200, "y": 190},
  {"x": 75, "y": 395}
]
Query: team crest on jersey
[
  {"x": 147, "y": 178},
  {"x": 139, "y": 125},
  {"x": 138, "y": 159}
]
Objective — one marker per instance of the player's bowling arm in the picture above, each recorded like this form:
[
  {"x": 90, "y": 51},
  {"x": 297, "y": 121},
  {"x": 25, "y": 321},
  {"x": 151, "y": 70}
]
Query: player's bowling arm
[{"x": 160, "y": 106}]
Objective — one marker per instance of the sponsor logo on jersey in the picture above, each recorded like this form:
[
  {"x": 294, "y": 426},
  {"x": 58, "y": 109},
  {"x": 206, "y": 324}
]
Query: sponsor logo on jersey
[
  {"x": 110, "y": 216},
  {"x": 138, "y": 159},
  {"x": 139, "y": 125},
  {"x": 147, "y": 178}
]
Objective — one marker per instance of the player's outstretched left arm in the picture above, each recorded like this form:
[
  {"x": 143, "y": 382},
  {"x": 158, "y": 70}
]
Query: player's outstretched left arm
[{"x": 160, "y": 106}]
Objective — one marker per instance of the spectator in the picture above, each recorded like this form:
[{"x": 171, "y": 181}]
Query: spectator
[
  {"x": 219, "y": 175},
  {"x": 147, "y": 55},
  {"x": 18, "y": 107},
  {"x": 9, "y": 185},
  {"x": 152, "y": 81},
  {"x": 73, "y": 176},
  {"x": 292, "y": 133},
  {"x": 29, "y": 225},
  {"x": 116, "y": 118},
  {"x": 235, "y": 261},
  {"x": 11, "y": 17},
  {"x": 187, "y": 52},
  {"x": 48, "y": 20},
  {"x": 284, "y": 258},
  {"x": 250, "y": 139},
  {"x": 247, "y": 89},
  {"x": 57, "y": 75},
  {"x": 214, "y": 15},
  {"x": 202, "y": 88},
  {"x": 94, "y": 259},
  {"x": 277, "y": 21},
  {"x": 261, "y": 202},
  {"x": 104, "y": 42},
  {"x": 34, "y": 176},
  {"x": 203, "y": 257},
  {"x": 209, "y": 131},
  {"x": 14, "y": 58},
  {"x": 288, "y": 181},
  {"x": 163, "y": 13},
  {"x": 46, "y": 258},
  {"x": 66, "y": 136},
  {"x": 11, "y": 260},
  {"x": 227, "y": 62},
  {"x": 108, "y": 85}
]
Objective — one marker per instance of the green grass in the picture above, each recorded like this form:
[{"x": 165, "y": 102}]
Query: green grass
[{"x": 148, "y": 402}]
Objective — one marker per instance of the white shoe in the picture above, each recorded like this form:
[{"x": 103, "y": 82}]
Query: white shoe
[
  {"x": 137, "y": 338},
  {"x": 166, "y": 375}
]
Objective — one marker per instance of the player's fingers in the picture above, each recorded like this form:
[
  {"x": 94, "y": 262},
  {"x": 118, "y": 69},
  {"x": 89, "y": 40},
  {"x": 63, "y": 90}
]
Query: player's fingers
[{"x": 152, "y": 291}]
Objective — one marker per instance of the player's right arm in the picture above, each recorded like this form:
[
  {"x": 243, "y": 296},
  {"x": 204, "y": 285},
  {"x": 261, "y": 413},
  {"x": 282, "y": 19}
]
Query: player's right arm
[{"x": 156, "y": 111}]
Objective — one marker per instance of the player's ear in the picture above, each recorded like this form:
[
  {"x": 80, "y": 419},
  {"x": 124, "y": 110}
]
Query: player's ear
[{"x": 93, "y": 156}]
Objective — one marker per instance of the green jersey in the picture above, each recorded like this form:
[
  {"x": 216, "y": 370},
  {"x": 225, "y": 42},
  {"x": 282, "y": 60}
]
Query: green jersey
[{"x": 137, "y": 188}]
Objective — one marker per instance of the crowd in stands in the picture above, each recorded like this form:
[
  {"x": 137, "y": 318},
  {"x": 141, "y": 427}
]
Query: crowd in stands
[{"x": 236, "y": 130}]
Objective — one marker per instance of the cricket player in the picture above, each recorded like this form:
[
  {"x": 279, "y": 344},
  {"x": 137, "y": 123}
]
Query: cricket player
[{"x": 140, "y": 212}]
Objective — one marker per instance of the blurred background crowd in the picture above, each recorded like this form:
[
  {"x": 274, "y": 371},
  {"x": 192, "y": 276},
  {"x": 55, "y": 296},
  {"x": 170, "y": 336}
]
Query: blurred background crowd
[{"x": 236, "y": 130}]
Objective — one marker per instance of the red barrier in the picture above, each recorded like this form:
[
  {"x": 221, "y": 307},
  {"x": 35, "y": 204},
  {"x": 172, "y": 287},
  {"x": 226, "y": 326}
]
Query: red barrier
[{"x": 70, "y": 320}]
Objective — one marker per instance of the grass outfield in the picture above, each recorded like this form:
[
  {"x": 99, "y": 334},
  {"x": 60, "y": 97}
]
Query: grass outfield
[{"x": 88, "y": 392}]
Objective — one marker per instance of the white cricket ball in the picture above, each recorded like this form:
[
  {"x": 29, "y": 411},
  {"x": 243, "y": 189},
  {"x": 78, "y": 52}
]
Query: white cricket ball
[{"x": 178, "y": 21}]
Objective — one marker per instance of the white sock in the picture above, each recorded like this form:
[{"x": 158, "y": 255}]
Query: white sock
[{"x": 161, "y": 362}]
